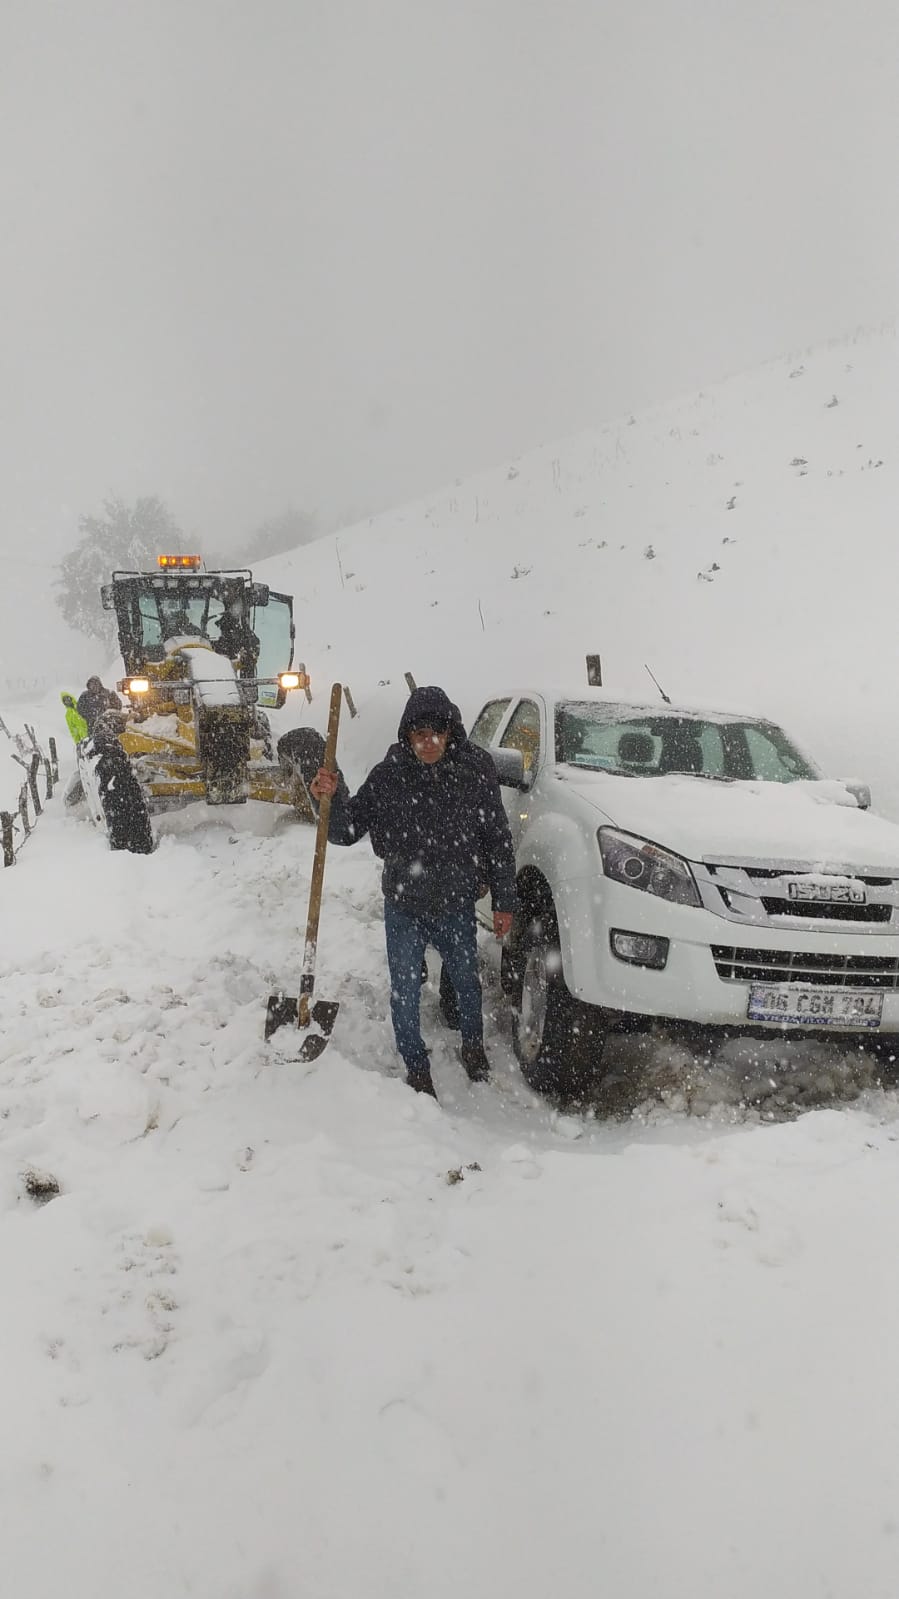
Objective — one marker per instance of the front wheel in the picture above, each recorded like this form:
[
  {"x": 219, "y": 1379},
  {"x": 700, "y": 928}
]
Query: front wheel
[
  {"x": 554, "y": 1036},
  {"x": 120, "y": 800}
]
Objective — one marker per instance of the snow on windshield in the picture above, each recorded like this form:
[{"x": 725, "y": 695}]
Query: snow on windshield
[{"x": 641, "y": 743}]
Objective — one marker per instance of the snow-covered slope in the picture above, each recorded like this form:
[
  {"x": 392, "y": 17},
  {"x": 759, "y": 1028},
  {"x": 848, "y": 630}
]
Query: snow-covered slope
[
  {"x": 742, "y": 541},
  {"x": 293, "y": 1331}
]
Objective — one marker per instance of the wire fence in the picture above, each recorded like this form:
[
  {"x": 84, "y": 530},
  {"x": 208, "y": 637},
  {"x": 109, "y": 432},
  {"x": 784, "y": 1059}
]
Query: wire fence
[{"x": 41, "y": 771}]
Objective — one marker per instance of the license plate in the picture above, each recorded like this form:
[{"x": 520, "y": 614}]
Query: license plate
[{"x": 792, "y": 1005}]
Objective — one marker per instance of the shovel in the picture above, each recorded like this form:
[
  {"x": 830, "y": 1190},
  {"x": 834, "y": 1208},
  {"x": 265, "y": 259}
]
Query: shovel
[{"x": 314, "y": 1020}]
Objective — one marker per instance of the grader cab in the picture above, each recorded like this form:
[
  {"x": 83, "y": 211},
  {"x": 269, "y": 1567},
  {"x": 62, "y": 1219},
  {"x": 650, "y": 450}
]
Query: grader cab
[{"x": 206, "y": 655}]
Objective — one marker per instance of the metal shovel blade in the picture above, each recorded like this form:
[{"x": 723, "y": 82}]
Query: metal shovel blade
[{"x": 283, "y": 1010}]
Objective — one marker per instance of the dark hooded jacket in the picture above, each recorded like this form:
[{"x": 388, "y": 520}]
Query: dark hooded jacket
[
  {"x": 94, "y": 701},
  {"x": 236, "y": 638},
  {"x": 440, "y": 830}
]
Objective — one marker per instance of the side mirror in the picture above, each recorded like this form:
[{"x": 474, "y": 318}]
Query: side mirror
[
  {"x": 107, "y": 597},
  {"x": 860, "y": 791},
  {"x": 510, "y": 769},
  {"x": 259, "y": 593}
]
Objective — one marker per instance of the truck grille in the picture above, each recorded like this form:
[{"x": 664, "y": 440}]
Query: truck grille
[
  {"x": 829, "y": 913},
  {"x": 761, "y": 894},
  {"x": 771, "y": 872},
  {"x": 737, "y": 965}
]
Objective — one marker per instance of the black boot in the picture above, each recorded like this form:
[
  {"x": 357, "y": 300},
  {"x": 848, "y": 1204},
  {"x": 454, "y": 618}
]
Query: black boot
[
  {"x": 418, "y": 1076},
  {"x": 474, "y": 1059}
]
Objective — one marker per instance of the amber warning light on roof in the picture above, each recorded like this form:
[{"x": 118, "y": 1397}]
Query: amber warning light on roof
[{"x": 189, "y": 561}]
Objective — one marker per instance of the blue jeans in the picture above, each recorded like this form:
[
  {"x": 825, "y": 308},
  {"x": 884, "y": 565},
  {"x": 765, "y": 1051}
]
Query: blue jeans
[{"x": 455, "y": 939}]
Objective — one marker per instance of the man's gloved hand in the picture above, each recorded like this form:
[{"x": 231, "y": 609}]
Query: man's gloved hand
[{"x": 502, "y": 923}]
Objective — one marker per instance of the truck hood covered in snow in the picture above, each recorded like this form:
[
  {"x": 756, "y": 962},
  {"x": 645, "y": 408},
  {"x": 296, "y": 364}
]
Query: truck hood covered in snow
[{"x": 817, "y": 823}]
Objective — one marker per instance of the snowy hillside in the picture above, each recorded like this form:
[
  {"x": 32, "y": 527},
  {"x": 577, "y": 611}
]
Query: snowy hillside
[
  {"x": 293, "y": 1332},
  {"x": 743, "y": 542}
]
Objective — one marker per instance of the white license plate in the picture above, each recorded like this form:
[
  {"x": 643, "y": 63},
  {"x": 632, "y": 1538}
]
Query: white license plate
[{"x": 795, "y": 1006}]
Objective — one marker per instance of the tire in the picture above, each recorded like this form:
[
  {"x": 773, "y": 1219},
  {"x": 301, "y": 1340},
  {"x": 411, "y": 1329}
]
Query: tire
[
  {"x": 555, "y": 1037},
  {"x": 123, "y": 802},
  {"x": 301, "y": 752}
]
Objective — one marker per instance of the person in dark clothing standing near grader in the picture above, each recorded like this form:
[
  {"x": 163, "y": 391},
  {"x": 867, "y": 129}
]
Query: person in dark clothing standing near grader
[
  {"x": 435, "y": 815},
  {"x": 95, "y": 700}
]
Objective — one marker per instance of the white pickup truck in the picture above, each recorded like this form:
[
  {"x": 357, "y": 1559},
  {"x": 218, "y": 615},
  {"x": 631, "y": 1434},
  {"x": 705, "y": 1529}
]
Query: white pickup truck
[{"x": 684, "y": 867}]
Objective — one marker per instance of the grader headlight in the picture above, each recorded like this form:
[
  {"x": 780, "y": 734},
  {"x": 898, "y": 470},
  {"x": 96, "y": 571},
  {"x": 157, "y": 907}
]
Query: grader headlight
[
  {"x": 288, "y": 680},
  {"x": 138, "y": 685}
]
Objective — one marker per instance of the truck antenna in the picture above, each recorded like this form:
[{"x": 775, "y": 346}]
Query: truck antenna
[{"x": 658, "y": 685}]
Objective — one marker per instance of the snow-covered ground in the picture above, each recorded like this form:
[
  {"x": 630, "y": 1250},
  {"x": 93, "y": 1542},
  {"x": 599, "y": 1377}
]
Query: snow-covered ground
[
  {"x": 292, "y": 1332},
  {"x": 263, "y": 1345}
]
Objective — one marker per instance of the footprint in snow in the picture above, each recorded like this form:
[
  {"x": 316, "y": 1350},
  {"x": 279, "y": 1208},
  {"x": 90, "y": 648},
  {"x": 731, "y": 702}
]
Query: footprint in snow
[
  {"x": 776, "y": 1242},
  {"x": 142, "y": 1308}
]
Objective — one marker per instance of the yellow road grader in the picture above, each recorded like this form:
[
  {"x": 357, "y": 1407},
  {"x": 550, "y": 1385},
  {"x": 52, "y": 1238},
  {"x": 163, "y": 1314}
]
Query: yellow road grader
[{"x": 206, "y": 654}]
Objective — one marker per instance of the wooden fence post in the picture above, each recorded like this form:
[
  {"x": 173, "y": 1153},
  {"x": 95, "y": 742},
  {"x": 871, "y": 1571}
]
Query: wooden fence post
[
  {"x": 410, "y": 682},
  {"x": 29, "y": 798},
  {"x": 349, "y": 700},
  {"x": 32, "y": 784}
]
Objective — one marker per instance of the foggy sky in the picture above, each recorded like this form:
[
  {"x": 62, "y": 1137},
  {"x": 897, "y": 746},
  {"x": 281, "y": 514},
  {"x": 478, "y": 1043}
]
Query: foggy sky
[{"x": 338, "y": 252}]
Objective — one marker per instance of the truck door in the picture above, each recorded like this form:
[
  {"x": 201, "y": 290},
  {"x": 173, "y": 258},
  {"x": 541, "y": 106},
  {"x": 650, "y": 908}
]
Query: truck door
[
  {"x": 522, "y": 732},
  {"x": 273, "y": 626}
]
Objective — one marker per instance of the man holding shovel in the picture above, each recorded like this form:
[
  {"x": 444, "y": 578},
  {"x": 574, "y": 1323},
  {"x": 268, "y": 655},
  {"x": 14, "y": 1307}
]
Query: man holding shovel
[{"x": 435, "y": 815}]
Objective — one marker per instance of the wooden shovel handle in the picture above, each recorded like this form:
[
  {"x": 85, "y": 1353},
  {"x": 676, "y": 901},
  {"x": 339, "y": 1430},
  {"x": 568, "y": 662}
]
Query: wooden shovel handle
[{"x": 307, "y": 980}]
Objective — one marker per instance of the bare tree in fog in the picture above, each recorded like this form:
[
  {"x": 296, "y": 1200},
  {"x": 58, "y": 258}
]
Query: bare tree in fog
[{"x": 123, "y": 538}]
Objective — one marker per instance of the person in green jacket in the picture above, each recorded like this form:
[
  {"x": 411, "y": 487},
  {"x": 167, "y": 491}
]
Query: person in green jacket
[{"x": 75, "y": 723}]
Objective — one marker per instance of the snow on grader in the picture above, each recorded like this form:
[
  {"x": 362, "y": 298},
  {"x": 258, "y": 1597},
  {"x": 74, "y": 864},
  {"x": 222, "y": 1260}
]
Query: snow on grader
[{"x": 206, "y": 654}]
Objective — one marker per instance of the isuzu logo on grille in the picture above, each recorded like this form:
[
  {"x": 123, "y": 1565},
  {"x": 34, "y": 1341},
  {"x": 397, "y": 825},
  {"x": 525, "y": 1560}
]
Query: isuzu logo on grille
[{"x": 810, "y": 891}]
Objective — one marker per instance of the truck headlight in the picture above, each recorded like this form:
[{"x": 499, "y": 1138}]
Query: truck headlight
[
  {"x": 640, "y": 949},
  {"x": 639, "y": 864}
]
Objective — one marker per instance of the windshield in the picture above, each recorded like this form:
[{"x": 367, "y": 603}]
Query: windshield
[
  {"x": 165, "y": 616},
  {"x": 155, "y": 612},
  {"x": 616, "y": 738}
]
